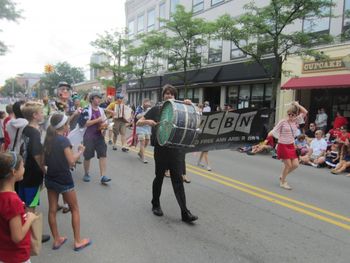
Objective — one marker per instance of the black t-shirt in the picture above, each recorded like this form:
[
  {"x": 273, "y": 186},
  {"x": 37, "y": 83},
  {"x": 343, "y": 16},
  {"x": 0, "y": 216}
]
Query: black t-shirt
[
  {"x": 310, "y": 133},
  {"x": 58, "y": 169},
  {"x": 33, "y": 175},
  {"x": 154, "y": 114}
]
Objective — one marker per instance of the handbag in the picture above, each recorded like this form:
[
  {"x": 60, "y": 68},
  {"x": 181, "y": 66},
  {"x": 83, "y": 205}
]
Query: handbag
[{"x": 36, "y": 235}]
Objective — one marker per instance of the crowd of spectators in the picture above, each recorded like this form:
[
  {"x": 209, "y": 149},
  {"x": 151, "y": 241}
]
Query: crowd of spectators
[{"x": 316, "y": 144}]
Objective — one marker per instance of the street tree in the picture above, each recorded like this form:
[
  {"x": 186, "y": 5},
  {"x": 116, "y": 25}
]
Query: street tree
[
  {"x": 112, "y": 46},
  {"x": 263, "y": 32},
  {"x": 11, "y": 88},
  {"x": 9, "y": 12},
  {"x": 61, "y": 71},
  {"x": 144, "y": 58},
  {"x": 186, "y": 36}
]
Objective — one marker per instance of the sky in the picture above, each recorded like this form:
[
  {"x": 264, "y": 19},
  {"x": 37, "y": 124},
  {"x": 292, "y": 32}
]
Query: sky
[{"x": 55, "y": 31}]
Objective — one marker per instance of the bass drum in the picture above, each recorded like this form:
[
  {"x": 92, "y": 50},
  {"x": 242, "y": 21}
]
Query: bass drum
[{"x": 179, "y": 124}]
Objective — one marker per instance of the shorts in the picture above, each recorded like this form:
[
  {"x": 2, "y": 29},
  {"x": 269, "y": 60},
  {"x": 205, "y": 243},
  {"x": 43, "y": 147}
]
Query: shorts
[
  {"x": 29, "y": 195},
  {"x": 143, "y": 136},
  {"x": 57, "y": 187},
  {"x": 98, "y": 145},
  {"x": 119, "y": 127},
  {"x": 286, "y": 151}
]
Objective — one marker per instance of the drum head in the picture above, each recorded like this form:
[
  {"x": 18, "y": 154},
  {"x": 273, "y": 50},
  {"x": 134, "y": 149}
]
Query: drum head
[{"x": 166, "y": 123}]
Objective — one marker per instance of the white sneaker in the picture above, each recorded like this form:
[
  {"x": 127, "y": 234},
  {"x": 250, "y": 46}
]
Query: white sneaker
[
  {"x": 208, "y": 168},
  {"x": 314, "y": 165},
  {"x": 145, "y": 161}
]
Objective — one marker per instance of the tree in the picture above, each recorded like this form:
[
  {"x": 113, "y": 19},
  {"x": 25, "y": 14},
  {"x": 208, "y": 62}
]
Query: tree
[
  {"x": 187, "y": 35},
  {"x": 145, "y": 56},
  {"x": 113, "y": 46},
  {"x": 11, "y": 88},
  {"x": 9, "y": 12},
  {"x": 264, "y": 30},
  {"x": 62, "y": 71}
]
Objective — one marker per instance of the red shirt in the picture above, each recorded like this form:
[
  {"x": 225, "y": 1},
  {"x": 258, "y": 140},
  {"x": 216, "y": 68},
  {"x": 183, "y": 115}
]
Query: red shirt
[
  {"x": 7, "y": 137},
  {"x": 339, "y": 121},
  {"x": 10, "y": 206},
  {"x": 342, "y": 137}
]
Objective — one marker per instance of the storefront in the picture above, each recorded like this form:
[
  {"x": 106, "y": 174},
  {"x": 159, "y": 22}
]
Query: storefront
[{"x": 317, "y": 83}]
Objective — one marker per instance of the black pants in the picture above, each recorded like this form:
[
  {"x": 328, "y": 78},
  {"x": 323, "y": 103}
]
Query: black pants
[{"x": 169, "y": 159}]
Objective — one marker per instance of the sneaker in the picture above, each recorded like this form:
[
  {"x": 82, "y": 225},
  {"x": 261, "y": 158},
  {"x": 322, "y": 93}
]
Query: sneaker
[
  {"x": 110, "y": 142},
  {"x": 114, "y": 148},
  {"x": 86, "y": 178},
  {"x": 145, "y": 161},
  {"x": 45, "y": 238},
  {"x": 105, "y": 179},
  {"x": 157, "y": 211},
  {"x": 285, "y": 185},
  {"x": 208, "y": 168},
  {"x": 188, "y": 217},
  {"x": 124, "y": 149},
  {"x": 314, "y": 165}
]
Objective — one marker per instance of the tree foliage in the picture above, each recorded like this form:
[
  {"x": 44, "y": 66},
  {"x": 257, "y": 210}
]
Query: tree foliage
[
  {"x": 113, "y": 46},
  {"x": 11, "y": 88},
  {"x": 144, "y": 57},
  {"x": 187, "y": 35},
  {"x": 263, "y": 31},
  {"x": 9, "y": 12},
  {"x": 62, "y": 71}
]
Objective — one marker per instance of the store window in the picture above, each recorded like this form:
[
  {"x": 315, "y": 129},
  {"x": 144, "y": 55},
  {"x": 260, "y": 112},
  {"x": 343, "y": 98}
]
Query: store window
[
  {"x": 246, "y": 96},
  {"x": 131, "y": 30},
  {"x": 198, "y": 5},
  {"x": 151, "y": 19},
  {"x": 215, "y": 2},
  {"x": 192, "y": 94},
  {"x": 162, "y": 14},
  {"x": 215, "y": 51},
  {"x": 140, "y": 24}
]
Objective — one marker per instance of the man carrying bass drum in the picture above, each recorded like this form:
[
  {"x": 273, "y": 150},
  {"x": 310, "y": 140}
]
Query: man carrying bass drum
[{"x": 166, "y": 158}]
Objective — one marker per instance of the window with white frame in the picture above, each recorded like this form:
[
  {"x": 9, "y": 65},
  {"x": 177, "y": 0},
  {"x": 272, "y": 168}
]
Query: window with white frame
[
  {"x": 151, "y": 19},
  {"x": 236, "y": 52},
  {"x": 173, "y": 4},
  {"x": 313, "y": 24},
  {"x": 140, "y": 23},
  {"x": 215, "y": 51},
  {"x": 131, "y": 30},
  {"x": 162, "y": 14},
  {"x": 215, "y": 2},
  {"x": 197, "y": 5}
]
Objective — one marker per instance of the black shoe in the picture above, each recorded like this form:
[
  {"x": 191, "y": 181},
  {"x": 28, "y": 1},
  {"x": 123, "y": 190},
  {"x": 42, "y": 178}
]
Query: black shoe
[
  {"x": 188, "y": 217},
  {"x": 157, "y": 211},
  {"x": 114, "y": 148},
  {"x": 45, "y": 238}
]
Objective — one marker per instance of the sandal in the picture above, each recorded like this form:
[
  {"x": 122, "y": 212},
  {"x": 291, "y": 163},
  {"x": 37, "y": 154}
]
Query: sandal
[
  {"x": 88, "y": 243},
  {"x": 62, "y": 241}
]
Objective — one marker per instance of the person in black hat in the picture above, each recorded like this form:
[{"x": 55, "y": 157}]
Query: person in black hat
[{"x": 63, "y": 95}]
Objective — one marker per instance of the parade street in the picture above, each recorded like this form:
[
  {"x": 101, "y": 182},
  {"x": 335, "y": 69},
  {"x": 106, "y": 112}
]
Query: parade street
[{"x": 244, "y": 216}]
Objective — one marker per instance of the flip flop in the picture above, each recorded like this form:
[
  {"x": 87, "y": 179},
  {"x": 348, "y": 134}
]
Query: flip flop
[
  {"x": 59, "y": 245},
  {"x": 83, "y": 246}
]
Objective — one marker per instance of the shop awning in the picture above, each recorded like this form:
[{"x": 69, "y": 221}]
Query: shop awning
[{"x": 320, "y": 82}]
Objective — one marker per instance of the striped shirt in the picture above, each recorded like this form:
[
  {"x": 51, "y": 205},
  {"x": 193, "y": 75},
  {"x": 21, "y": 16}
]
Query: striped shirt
[{"x": 286, "y": 131}]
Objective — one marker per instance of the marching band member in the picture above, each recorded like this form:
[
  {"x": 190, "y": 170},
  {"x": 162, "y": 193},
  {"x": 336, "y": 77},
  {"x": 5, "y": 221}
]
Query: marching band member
[{"x": 166, "y": 158}]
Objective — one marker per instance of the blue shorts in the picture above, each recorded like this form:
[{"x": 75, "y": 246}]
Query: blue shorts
[
  {"x": 57, "y": 187},
  {"x": 29, "y": 195}
]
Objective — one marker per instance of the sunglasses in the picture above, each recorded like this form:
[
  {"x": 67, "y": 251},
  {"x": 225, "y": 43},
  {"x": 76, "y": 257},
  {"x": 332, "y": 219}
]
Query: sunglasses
[{"x": 292, "y": 114}]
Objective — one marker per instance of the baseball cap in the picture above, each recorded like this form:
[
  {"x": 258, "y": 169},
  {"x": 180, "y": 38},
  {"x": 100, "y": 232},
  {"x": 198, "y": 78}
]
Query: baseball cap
[
  {"x": 64, "y": 84},
  {"x": 119, "y": 96},
  {"x": 95, "y": 94}
]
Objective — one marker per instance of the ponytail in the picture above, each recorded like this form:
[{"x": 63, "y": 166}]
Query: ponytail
[{"x": 51, "y": 133}]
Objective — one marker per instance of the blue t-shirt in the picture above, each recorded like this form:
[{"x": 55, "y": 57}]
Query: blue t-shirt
[{"x": 58, "y": 169}]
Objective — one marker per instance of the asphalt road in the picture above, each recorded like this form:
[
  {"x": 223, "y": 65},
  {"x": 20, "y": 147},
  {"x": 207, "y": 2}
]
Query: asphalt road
[{"x": 243, "y": 214}]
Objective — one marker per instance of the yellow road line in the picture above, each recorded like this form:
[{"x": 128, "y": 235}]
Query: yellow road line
[{"x": 267, "y": 195}]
